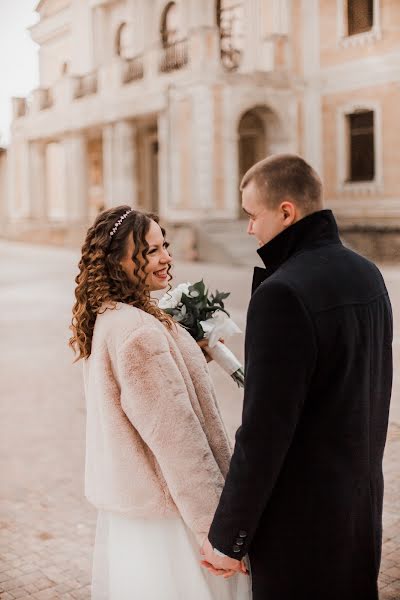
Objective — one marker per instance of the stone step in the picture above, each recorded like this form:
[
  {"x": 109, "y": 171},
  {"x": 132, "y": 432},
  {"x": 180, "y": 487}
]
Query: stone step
[{"x": 227, "y": 242}]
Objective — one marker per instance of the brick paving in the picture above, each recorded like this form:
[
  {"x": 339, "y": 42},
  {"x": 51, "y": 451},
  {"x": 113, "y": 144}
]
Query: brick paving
[{"x": 46, "y": 525}]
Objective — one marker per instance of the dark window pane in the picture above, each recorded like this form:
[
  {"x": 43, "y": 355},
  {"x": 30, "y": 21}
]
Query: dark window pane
[
  {"x": 361, "y": 146},
  {"x": 360, "y": 15}
]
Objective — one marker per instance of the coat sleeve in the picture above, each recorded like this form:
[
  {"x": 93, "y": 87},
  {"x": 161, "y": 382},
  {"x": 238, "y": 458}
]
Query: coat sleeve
[
  {"x": 280, "y": 358},
  {"x": 156, "y": 401}
]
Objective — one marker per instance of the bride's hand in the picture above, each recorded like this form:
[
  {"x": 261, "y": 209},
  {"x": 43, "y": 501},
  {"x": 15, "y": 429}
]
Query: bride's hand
[{"x": 204, "y": 347}]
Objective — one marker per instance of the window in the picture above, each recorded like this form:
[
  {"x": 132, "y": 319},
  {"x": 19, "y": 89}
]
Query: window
[
  {"x": 170, "y": 25},
  {"x": 175, "y": 46},
  {"x": 230, "y": 23},
  {"x": 360, "y": 16},
  {"x": 361, "y": 163},
  {"x": 123, "y": 42}
]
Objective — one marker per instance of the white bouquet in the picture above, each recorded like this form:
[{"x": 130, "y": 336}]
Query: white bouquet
[{"x": 205, "y": 317}]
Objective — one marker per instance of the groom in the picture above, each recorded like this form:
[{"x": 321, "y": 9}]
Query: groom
[{"x": 303, "y": 496}]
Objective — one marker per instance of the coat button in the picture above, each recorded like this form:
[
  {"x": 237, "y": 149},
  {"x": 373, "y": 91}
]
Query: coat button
[
  {"x": 239, "y": 541},
  {"x": 242, "y": 534},
  {"x": 236, "y": 548}
]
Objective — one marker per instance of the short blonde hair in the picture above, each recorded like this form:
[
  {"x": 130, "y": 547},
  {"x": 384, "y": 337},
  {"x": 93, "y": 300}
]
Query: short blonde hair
[{"x": 286, "y": 175}]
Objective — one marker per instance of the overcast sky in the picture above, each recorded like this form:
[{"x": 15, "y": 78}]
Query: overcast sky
[{"x": 18, "y": 57}]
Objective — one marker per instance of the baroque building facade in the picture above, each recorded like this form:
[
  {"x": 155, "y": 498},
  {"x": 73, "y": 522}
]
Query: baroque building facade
[{"x": 164, "y": 106}]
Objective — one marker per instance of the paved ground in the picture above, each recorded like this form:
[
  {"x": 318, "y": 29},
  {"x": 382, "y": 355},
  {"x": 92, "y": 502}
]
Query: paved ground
[{"x": 46, "y": 526}]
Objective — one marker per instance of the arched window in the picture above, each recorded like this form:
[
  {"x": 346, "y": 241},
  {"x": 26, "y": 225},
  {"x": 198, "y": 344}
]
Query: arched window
[
  {"x": 64, "y": 69},
  {"x": 171, "y": 30},
  {"x": 175, "y": 47},
  {"x": 252, "y": 140},
  {"x": 122, "y": 41},
  {"x": 230, "y": 23}
]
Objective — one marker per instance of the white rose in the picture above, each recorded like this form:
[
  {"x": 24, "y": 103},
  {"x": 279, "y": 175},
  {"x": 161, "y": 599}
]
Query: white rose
[
  {"x": 218, "y": 326},
  {"x": 184, "y": 288},
  {"x": 172, "y": 298}
]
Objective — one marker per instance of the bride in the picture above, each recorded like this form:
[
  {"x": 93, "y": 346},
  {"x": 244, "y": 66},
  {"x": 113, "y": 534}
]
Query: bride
[{"x": 157, "y": 452}]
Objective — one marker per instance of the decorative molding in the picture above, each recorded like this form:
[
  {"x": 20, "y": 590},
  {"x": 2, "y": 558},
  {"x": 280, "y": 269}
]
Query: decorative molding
[
  {"x": 51, "y": 27},
  {"x": 39, "y": 7},
  {"x": 361, "y": 188},
  {"x": 361, "y": 39},
  {"x": 356, "y": 74},
  {"x": 365, "y": 207}
]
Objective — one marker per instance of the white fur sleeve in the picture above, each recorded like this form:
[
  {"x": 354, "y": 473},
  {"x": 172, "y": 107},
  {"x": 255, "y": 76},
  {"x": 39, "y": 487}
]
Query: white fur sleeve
[{"x": 155, "y": 399}]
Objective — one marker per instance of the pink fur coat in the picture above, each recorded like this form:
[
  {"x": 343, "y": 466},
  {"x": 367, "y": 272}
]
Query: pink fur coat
[{"x": 156, "y": 445}]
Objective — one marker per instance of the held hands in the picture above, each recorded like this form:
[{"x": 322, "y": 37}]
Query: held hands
[{"x": 220, "y": 565}]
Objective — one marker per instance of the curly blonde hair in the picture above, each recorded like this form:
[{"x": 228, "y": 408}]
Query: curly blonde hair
[{"x": 101, "y": 279}]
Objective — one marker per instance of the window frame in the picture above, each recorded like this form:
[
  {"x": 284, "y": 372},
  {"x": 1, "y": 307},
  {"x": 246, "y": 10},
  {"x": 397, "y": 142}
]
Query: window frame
[
  {"x": 357, "y": 39},
  {"x": 374, "y": 185}
]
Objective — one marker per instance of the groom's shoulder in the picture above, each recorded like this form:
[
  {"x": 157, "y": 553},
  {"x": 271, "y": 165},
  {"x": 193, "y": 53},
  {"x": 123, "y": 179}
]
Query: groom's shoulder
[{"x": 330, "y": 277}]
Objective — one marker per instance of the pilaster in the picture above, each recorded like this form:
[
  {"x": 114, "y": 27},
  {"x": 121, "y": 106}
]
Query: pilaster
[
  {"x": 37, "y": 178},
  {"x": 124, "y": 163},
  {"x": 312, "y": 115},
  {"x": 76, "y": 177}
]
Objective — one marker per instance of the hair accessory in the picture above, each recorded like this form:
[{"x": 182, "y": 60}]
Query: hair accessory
[{"x": 118, "y": 223}]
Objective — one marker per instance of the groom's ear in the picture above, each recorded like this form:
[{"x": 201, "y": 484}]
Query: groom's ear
[{"x": 289, "y": 212}]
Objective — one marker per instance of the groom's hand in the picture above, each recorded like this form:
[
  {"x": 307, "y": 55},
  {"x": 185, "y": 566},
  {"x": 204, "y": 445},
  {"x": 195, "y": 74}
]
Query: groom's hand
[{"x": 220, "y": 565}]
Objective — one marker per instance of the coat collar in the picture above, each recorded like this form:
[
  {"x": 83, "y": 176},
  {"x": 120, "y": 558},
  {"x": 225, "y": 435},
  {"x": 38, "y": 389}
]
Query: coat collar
[{"x": 317, "y": 229}]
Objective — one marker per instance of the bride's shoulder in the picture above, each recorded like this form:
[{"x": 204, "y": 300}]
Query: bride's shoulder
[
  {"x": 121, "y": 320},
  {"x": 118, "y": 319}
]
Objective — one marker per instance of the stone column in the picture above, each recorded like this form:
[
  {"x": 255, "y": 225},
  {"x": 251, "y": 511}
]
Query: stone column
[
  {"x": 119, "y": 163},
  {"x": 37, "y": 180},
  {"x": 19, "y": 189},
  {"x": 164, "y": 173},
  {"x": 99, "y": 36},
  {"x": 76, "y": 177},
  {"x": 203, "y": 142},
  {"x": 203, "y": 35},
  {"x": 312, "y": 116},
  {"x": 108, "y": 171},
  {"x": 136, "y": 23},
  {"x": 124, "y": 163},
  {"x": 81, "y": 37},
  {"x": 251, "y": 31},
  {"x": 174, "y": 153},
  {"x": 3, "y": 213}
]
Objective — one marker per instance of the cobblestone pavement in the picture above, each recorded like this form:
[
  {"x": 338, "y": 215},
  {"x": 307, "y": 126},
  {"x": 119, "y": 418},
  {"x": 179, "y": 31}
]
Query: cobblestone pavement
[{"x": 46, "y": 525}]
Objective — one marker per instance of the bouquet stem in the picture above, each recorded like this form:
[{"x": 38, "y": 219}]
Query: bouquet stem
[{"x": 227, "y": 361}]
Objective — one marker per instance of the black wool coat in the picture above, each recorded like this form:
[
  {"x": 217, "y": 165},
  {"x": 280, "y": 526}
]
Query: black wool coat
[{"x": 303, "y": 496}]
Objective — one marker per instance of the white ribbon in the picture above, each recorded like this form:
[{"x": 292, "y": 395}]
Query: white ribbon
[{"x": 216, "y": 327}]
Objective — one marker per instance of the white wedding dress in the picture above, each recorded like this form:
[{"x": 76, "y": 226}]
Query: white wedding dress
[{"x": 155, "y": 559}]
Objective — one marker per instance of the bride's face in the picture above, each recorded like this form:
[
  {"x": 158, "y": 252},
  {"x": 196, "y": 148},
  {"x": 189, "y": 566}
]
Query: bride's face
[{"x": 158, "y": 259}]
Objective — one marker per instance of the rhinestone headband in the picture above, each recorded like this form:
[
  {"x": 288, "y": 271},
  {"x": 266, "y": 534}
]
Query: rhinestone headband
[{"x": 118, "y": 223}]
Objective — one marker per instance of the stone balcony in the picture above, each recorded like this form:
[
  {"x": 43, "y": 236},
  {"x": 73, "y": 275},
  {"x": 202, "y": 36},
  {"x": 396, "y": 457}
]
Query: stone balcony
[
  {"x": 115, "y": 88},
  {"x": 108, "y": 80},
  {"x": 133, "y": 69},
  {"x": 41, "y": 99},
  {"x": 19, "y": 107},
  {"x": 174, "y": 56},
  {"x": 86, "y": 85}
]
